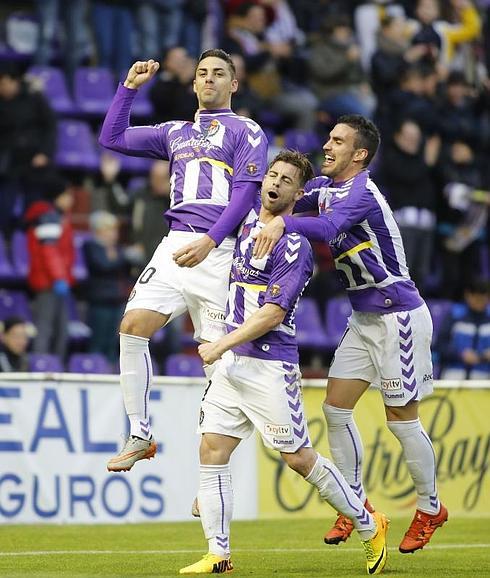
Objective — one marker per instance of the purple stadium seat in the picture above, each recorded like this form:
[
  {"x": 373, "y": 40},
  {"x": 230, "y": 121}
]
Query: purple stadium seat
[
  {"x": 54, "y": 86},
  {"x": 20, "y": 254},
  {"x": 93, "y": 90},
  {"x": 45, "y": 362},
  {"x": 303, "y": 141},
  {"x": 76, "y": 147},
  {"x": 14, "y": 303},
  {"x": 439, "y": 309},
  {"x": 309, "y": 326},
  {"x": 181, "y": 364},
  {"x": 7, "y": 272},
  {"x": 88, "y": 363},
  {"x": 337, "y": 311}
]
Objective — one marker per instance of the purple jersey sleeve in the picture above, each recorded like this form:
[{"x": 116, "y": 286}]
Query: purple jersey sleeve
[
  {"x": 243, "y": 199},
  {"x": 310, "y": 200},
  {"x": 346, "y": 209},
  {"x": 117, "y": 135},
  {"x": 291, "y": 270},
  {"x": 250, "y": 162}
]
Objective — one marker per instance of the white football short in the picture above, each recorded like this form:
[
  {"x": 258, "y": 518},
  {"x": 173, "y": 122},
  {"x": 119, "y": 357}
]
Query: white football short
[
  {"x": 391, "y": 351},
  {"x": 202, "y": 290},
  {"x": 246, "y": 392}
]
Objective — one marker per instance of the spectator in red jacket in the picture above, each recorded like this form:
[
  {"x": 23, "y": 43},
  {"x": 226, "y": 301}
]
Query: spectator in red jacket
[{"x": 52, "y": 254}]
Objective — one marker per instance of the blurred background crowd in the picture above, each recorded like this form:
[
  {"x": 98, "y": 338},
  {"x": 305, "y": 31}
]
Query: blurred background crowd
[{"x": 78, "y": 223}]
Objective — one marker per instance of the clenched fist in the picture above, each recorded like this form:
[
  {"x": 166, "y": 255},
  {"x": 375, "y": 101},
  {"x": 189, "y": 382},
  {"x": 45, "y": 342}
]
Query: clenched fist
[{"x": 141, "y": 71}]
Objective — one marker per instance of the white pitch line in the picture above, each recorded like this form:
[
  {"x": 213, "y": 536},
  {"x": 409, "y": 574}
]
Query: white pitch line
[{"x": 240, "y": 550}]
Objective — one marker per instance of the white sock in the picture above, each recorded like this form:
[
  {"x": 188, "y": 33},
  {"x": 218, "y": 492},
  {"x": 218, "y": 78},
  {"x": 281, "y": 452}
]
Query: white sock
[
  {"x": 334, "y": 489},
  {"x": 345, "y": 446},
  {"x": 215, "y": 498},
  {"x": 421, "y": 461},
  {"x": 136, "y": 378}
]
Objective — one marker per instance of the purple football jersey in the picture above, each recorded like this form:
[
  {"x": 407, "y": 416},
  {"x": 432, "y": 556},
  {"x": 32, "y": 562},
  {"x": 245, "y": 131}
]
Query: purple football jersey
[
  {"x": 358, "y": 224},
  {"x": 280, "y": 279},
  {"x": 206, "y": 157}
]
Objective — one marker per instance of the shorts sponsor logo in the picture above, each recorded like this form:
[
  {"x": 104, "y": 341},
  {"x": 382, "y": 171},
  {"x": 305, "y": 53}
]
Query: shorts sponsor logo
[
  {"x": 289, "y": 442},
  {"x": 214, "y": 315},
  {"x": 391, "y": 384},
  {"x": 428, "y": 377},
  {"x": 281, "y": 431},
  {"x": 394, "y": 395}
]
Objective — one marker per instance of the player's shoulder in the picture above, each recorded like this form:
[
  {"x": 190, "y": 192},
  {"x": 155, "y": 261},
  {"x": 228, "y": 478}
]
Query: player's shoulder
[
  {"x": 316, "y": 184},
  {"x": 245, "y": 123},
  {"x": 292, "y": 246}
]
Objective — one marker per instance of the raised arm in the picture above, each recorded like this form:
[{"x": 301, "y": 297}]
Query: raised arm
[{"x": 116, "y": 133}]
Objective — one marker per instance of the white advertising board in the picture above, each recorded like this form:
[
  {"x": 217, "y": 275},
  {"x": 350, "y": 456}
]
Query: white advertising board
[{"x": 56, "y": 436}]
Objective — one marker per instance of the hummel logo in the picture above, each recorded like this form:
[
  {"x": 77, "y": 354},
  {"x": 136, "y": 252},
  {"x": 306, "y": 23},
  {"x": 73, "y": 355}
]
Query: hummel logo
[{"x": 254, "y": 142}]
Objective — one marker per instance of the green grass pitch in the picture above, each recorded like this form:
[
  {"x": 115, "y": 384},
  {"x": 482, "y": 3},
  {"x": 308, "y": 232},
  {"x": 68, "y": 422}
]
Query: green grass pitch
[{"x": 272, "y": 548}]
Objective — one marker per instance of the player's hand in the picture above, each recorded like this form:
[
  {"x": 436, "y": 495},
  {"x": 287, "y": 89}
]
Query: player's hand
[
  {"x": 141, "y": 71},
  {"x": 195, "y": 252},
  {"x": 210, "y": 352},
  {"x": 268, "y": 237}
]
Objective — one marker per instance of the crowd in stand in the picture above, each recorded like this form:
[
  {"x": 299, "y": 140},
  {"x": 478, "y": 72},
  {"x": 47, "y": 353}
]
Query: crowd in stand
[{"x": 420, "y": 69}]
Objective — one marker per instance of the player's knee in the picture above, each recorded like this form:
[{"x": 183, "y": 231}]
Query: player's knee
[{"x": 403, "y": 413}]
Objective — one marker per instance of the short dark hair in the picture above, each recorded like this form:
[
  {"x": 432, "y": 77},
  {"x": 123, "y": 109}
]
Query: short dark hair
[
  {"x": 12, "y": 321},
  {"x": 367, "y": 137},
  {"x": 478, "y": 285},
  {"x": 297, "y": 159},
  {"x": 219, "y": 53}
]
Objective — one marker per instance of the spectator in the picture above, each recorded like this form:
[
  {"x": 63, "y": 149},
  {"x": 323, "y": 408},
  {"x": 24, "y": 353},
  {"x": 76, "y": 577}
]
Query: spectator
[
  {"x": 335, "y": 71},
  {"x": 463, "y": 345},
  {"x": 392, "y": 55},
  {"x": 52, "y": 255},
  {"x": 245, "y": 102},
  {"x": 151, "y": 202},
  {"x": 27, "y": 140},
  {"x": 108, "y": 193},
  {"x": 160, "y": 24},
  {"x": 246, "y": 36},
  {"x": 172, "y": 94},
  {"x": 462, "y": 217},
  {"x": 459, "y": 111},
  {"x": 113, "y": 29},
  {"x": 439, "y": 37},
  {"x": 14, "y": 341},
  {"x": 107, "y": 283},
  {"x": 407, "y": 175},
  {"x": 74, "y": 37}
]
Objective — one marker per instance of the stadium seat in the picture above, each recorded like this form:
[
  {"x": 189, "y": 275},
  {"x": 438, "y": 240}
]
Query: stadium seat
[
  {"x": 20, "y": 254},
  {"x": 93, "y": 90},
  {"x": 439, "y": 309},
  {"x": 54, "y": 86},
  {"x": 76, "y": 147},
  {"x": 181, "y": 364},
  {"x": 7, "y": 272},
  {"x": 309, "y": 325},
  {"x": 14, "y": 303},
  {"x": 303, "y": 141},
  {"x": 45, "y": 362},
  {"x": 337, "y": 311},
  {"x": 88, "y": 363}
]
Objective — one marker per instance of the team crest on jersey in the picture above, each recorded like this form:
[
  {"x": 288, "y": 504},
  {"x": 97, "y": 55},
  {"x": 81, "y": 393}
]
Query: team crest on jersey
[
  {"x": 275, "y": 290},
  {"x": 212, "y": 129},
  {"x": 252, "y": 168}
]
